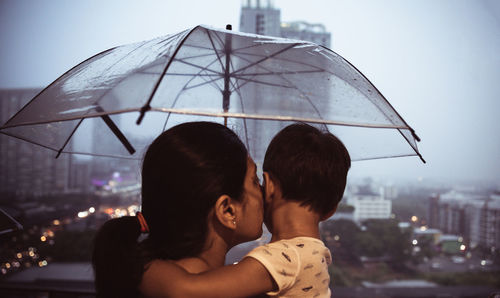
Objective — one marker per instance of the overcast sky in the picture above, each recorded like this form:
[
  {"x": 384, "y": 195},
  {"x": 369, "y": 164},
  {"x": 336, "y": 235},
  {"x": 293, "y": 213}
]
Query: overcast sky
[{"x": 436, "y": 61}]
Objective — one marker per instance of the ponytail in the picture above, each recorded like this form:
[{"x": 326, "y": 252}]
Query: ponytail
[{"x": 117, "y": 261}]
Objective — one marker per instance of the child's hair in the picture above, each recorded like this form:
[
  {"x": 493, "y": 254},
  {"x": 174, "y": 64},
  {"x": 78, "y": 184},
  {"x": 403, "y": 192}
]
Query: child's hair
[
  {"x": 185, "y": 170},
  {"x": 310, "y": 166}
]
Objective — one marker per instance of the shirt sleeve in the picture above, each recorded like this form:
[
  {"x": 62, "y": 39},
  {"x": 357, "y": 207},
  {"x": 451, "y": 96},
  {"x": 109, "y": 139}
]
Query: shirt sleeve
[{"x": 281, "y": 261}]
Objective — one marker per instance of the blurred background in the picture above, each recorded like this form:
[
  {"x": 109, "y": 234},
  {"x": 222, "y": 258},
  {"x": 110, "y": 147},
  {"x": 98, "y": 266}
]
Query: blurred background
[{"x": 433, "y": 228}]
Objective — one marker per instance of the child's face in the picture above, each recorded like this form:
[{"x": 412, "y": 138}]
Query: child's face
[{"x": 251, "y": 215}]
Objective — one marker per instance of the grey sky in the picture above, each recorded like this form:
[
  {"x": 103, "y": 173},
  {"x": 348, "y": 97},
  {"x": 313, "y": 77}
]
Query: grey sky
[{"x": 437, "y": 62}]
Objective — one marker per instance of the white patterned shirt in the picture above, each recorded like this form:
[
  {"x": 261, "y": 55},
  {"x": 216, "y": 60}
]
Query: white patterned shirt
[{"x": 299, "y": 266}]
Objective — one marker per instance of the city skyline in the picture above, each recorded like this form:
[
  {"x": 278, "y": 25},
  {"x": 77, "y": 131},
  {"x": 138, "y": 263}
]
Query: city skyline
[{"x": 436, "y": 63}]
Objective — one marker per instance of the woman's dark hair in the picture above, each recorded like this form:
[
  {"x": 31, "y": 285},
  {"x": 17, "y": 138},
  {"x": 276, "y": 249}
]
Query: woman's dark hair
[
  {"x": 185, "y": 170},
  {"x": 309, "y": 165}
]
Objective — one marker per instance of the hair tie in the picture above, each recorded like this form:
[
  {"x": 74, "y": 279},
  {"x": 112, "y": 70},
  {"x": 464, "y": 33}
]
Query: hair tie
[{"x": 142, "y": 222}]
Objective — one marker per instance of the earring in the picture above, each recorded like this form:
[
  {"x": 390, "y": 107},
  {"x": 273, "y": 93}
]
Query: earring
[{"x": 234, "y": 222}]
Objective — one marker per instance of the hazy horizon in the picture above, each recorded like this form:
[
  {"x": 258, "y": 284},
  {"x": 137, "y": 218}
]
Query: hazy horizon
[{"x": 436, "y": 62}]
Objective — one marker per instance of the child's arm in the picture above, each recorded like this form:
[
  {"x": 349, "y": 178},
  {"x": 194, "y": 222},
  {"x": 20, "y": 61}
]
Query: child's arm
[{"x": 248, "y": 277}]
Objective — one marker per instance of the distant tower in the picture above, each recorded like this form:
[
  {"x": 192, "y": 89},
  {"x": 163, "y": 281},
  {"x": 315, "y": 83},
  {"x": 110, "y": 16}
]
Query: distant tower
[
  {"x": 260, "y": 19},
  {"x": 305, "y": 31},
  {"x": 266, "y": 20}
]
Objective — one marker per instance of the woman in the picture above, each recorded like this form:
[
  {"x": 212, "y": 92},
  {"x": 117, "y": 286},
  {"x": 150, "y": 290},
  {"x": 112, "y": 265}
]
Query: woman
[{"x": 200, "y": 197}]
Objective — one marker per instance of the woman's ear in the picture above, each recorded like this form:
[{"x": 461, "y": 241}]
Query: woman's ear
[{"x": 225, "y": 211}]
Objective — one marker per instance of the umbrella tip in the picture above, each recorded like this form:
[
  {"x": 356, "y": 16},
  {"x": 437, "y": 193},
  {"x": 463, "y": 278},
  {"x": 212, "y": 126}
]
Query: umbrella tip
[{"x": 229, "y": 27}]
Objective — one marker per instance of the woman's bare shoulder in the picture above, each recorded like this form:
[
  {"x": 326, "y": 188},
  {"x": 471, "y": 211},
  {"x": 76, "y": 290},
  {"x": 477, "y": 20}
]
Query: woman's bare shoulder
[
  {"x": 157, "y": 277},
  {"x": 193, "y": 265}
]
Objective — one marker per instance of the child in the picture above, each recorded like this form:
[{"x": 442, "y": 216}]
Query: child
[{"x": 305, "y": 173}]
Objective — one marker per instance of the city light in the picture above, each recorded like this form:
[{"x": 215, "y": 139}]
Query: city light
[
  {"x": 91, "y": 209},
  {"x": 414, "y": 218},
  {"x": 43, "y": 238},
  {"x": 423, "y": 228},
  {"x": 462, "y": 247},
  {"x": 19, "y": 255},
  {"x": 83, "y": 214},
  {"x": 414, "y": 242}
]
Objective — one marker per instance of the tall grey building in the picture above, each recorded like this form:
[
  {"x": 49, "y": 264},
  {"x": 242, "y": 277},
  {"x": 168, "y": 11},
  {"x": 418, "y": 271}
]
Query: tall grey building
[
  {"x": 261, "y": 17},
  {"x": 474, "y": 217},
  {"x": 306, "y": 31},
  {"x": 28, "y": 169}
]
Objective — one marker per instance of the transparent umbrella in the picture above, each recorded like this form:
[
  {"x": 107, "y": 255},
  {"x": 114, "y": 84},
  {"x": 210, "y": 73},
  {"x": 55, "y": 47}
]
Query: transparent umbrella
[{"x": 116, "y": 102}]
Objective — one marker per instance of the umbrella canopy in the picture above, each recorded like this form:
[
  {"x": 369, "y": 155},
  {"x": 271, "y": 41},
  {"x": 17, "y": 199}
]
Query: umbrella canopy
[{"x": 255, "y": 84}]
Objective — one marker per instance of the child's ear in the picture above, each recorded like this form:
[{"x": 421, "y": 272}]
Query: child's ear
[
  {"x": 268, "y": 186},
  {"x": 225, "y": 211},
  {"x": 329, "y": 214}
]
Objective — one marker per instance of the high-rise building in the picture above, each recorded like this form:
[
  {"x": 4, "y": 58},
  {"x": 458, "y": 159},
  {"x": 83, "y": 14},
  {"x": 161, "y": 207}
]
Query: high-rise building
[
  {"x": 261, "y": 17},
  {"x": 28, "y": 169},
  {"x": 474, "y": 217},
  {"x": 306, "y": 31}
]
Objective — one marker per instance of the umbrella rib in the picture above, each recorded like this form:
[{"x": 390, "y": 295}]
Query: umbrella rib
[
  {"x": 281, "y": 73},
  {"x": 216, "y": 114},
  {"x": 147, "y": 106},
  {"x": 197, "y": 66},
  {"x": 266, "y": 58},
  {"x": 273, "y": 117},
  {"x": 204, "y": 83},
  {"x": 384, "y": 157},
  {"x": 236, "y": 87},
  {"x": 187, "y": 88},
  {"x": 286, "y": 60},
  {"x": 294, "y": 87},
  {"x": 263, "y": 83},
  {"x": 29, "y": 141},
  {"x": 215, "y": 50},
  {"x": 383, "y": 97},
  {"x": 51, "y": 84},
  {"x": 67, "y": 140}
]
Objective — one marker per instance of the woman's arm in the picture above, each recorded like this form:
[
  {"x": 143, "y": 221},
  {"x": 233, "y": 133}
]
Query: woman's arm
[{"x": 166, "y": 279}]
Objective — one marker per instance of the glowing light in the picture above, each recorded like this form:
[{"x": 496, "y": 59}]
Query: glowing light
[
  {"x": 109, "y": 211},
  {"x": 483, "y": 262},
  {"x": 19, "y": 255},
  {"x": 31, "y": 253},
  {"x": 7, "y": 265},
  {"x": 91, "y": 209},
  {"x": 4, "y": 271},
  {"x": 83, "y": 214},
  {"x": 414, "y": 218},
  {"x": 336, "y": 237},
  {"x": 16, "y": 264},
  {"x": 423, "y": 228},
  {"x": 414, "y": 242},
  {"x": 462, "y": 247},
  {"x": 43, "y": 238},
  {"x": 56, "y": 222}
]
